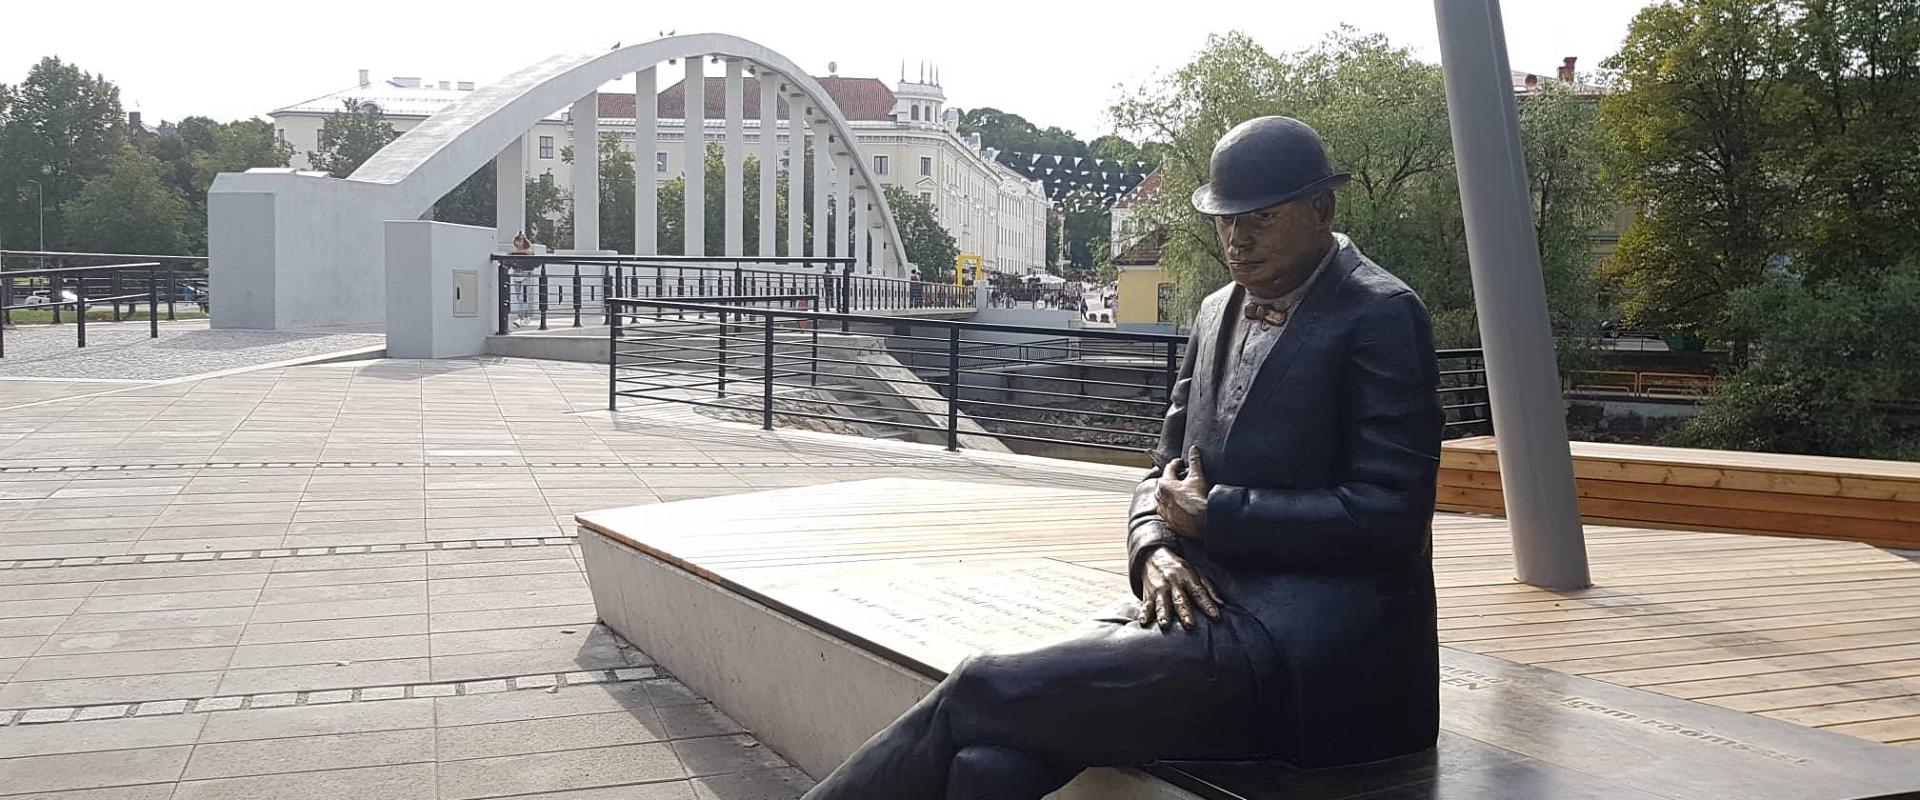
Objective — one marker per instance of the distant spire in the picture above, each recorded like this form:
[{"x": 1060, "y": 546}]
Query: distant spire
[
  {"x": 923, "y": 72},
  {"x": 903, "y": 70}
]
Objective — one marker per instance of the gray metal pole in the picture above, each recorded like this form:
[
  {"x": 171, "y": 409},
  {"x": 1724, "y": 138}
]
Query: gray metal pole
[{"x": 1529, "y": 414}]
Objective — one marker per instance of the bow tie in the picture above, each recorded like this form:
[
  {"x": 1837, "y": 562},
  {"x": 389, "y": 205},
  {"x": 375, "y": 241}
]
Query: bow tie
[{"x": 1265, "y": 312}]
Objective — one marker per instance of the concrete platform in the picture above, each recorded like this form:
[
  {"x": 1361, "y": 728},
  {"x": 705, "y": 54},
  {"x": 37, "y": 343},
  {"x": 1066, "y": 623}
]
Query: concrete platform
[{"x": 816, "y": 615}]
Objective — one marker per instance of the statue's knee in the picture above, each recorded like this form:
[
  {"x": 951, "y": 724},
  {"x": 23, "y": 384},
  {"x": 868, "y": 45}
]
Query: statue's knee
[{"x": 978, "y": 682}]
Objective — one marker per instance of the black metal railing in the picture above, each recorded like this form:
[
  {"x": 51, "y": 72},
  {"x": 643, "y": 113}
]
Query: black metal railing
[
  {"x": 543, "y": 292},
  {"x": 775, "y": 360},
  {"x": 122, "y": 286},
  {"x": 183, "y": 279}
]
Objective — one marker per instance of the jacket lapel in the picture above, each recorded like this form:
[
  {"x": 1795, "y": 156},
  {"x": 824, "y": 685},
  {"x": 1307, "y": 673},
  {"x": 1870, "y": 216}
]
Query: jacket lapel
[
  {"x": 1308, "y": 323},
  {"x": 1212, "y": 330}
]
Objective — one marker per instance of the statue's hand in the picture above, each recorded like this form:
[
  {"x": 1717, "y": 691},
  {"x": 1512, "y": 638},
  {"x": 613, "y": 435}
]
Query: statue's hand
[
  {"x": 1171, "y": 589},
  {"x": 1181, "y": 496}
]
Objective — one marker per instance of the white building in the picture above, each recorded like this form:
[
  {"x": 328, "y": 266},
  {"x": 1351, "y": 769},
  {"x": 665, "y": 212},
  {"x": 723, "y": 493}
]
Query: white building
[{"x": 906, "y": 133}]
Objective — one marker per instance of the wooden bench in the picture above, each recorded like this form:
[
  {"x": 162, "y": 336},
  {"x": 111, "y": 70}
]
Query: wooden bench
[
  {"x": 1876, "y": 502},
  {"x": 816, "y": 615}
]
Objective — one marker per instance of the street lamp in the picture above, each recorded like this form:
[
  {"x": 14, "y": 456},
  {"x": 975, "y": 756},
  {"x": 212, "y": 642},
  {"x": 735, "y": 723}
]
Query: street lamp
[{"x": 40, "y": 206}]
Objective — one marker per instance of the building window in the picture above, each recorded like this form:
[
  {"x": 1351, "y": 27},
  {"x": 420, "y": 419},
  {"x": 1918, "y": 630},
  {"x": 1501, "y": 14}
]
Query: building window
[
  {"x": 1163, "y": 303},
  {"x": 879, "y": 165},
  {"x": 916, "y": 113},
  {"x": 546, "y": 147},
  {"x": 926, "y": 166},
  {"x": 660, "y": 161},
  {"x": 927, "y": 197},
  {"x": 283, "y": 134}
]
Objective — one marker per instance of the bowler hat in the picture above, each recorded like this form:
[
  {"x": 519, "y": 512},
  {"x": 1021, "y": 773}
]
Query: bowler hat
[{"x": 1263, "y": 162}]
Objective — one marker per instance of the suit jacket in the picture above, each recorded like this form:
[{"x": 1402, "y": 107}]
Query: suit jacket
[{"x": 1319, "y": 520}]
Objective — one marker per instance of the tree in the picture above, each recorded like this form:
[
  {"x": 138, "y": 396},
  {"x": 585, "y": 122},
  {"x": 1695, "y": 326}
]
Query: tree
[
  {"x": 1696, "y": 136},
  {"x": 672, "y": 207},
  {"x": 349, "y": 137},
  {"x": 1829, "y": 359},
  {"x": 927, "y": 243},
  {"x": 130, "y": 209},
  {"x": 60, "y": 127},
  {"x": 1563, "y": 179}
]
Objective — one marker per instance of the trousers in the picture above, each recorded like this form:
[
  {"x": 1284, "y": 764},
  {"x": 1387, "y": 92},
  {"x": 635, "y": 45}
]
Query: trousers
[{"x": 1016, "y": 725}]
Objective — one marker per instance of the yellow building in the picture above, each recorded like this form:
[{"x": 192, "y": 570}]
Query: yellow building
[{"x": 1145, "y": 291}]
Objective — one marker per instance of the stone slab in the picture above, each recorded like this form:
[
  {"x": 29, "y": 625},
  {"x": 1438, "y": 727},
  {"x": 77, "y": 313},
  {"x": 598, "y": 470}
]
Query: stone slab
[{"x": 813, "y": 654}]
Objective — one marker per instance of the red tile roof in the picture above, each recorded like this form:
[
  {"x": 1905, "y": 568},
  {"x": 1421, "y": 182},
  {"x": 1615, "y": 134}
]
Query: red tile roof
[
  {"x": 1143, "y": 253},
  {"x": 858, "y": 99}
]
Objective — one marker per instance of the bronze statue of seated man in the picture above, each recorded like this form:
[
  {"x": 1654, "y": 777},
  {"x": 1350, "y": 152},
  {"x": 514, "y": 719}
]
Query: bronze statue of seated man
[{"x": 1280, "y": 551}]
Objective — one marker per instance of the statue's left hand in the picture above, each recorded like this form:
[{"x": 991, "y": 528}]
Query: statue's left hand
[{"x": 1181, "y": 496}]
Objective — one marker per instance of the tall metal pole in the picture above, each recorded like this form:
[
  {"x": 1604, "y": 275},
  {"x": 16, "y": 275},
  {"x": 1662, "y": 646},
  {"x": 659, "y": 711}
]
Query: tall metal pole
[
  {"x": 40, "y": 208},
  {"x": 1529, "y": 415}
]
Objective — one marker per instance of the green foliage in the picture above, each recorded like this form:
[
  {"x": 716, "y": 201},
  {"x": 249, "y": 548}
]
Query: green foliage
[
  {"x": 1011, "y": 132},
  {"x": 129, "y": 209},
  {"x": 60, "y": 127},
  {"x": 349, "y": 137},
  {"x": 1383, "y": 115},
  {"x": 1695, "y": 136},
  {"x": 673, "y": 203},
  {"x": 549, "y": 213},
  {"x": 1827, "y": 360},
  {"x": 928, "y": 244}
]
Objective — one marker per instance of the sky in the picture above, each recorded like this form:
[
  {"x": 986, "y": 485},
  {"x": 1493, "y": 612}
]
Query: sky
[{"x": 1055, "y": 63}]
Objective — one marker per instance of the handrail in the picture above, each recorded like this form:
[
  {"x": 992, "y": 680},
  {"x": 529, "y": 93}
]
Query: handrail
[
  {"x": 55, "y": 279},
  {"x": 98, "y": 255},
  {"x": 720, "y": 352}
]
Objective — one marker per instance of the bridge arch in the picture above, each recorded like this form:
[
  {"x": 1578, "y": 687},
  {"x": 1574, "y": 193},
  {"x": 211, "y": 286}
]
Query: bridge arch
[{"x": 432, "y": 158}]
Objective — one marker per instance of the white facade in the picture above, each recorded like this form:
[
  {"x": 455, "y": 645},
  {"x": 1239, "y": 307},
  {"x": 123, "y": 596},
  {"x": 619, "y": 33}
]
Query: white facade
[{"x": 990, "y": 210}]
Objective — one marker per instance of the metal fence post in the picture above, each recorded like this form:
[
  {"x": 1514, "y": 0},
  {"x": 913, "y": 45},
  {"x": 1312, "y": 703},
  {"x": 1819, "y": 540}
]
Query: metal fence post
[
  {"x": 80, "y": 308},
  {"x": 113, "y": 291},
  {"x": 953, "y": 387},
  {"x": 173, "y": 288},
  {"x": 766, "y": 399},
  {"x": 1173, "y": 369},
  {"x": 505, "y": 295},
  {"x": 576, "y": 295},
  {"x": 607, "y": 282},
  {"x": 543, "y": 297},
  {"x": 722, "y": 369},
  {"x": 153, "y": 303},
  {"x": 846, "y": 294},
  {"x": 613, "y": 356}
]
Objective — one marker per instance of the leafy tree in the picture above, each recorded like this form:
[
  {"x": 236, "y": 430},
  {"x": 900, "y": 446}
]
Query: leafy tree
[
  {"x": 1005, "y": 131},
  {"x": 60, "y": 127},
  {"x": 1856, "y": 134},
  {"x": 673, "y": 203},
  {"x": 1695, "y": 137},
  {"x": 349, "y": 137},
  {"x": 235, "y": 146},
  {"x": 1383, "y": 115},
  {"x": 129, "y": 209},
  {"x": 927, "y": 243},
  {"x": 1828, "y": 359}
]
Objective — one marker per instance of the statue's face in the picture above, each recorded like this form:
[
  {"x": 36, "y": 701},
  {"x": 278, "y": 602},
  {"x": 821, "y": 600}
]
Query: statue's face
[{"x": 1274, "y": 249}]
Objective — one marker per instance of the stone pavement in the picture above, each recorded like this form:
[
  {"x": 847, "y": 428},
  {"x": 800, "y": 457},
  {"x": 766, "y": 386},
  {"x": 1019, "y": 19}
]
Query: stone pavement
[
  {"x": 123, "y": 351},
  {"x": 359, "y": 580}
]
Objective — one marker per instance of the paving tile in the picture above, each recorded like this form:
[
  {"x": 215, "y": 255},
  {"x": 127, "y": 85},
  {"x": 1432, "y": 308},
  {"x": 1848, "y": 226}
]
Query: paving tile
[
  {"x": 306, "y": 753},
  {"x": 400, "y": 782},
  {"x": 141, "y": 640},
  {"x": 324, "y": 676},
  {"x": 51, "y": 773},
  {"x": 103, "y": 665},
  {"x": 115, "y": 734},
  {"x": 341, "y": 609},
  {"x": 701, "y": 719},
  {"x": 663, "y": 790},
  {"x": 322, "y": 630},
  {"x": 329, "y": 651},
  {"x": 778, "y": 784},
  {"x": 719, "y": 755},
  {"x": 255, "y": 723},
  {"x": 636, "y": 726},
  {"x": 98, "y": 691},
  {"x": 547, "y": 772},
  {"x": 155, "y": 620},
  {"x": 514, "y": 706},
  {"x": 446, "y": 622},
  {"x": 115, "y": 604}
]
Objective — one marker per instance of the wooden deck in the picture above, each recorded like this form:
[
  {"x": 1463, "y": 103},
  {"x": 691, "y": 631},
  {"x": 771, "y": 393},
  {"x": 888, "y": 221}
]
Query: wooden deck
[
  {"x": 1862, "y": 500},
  {"x": 1821, "y": 633}
]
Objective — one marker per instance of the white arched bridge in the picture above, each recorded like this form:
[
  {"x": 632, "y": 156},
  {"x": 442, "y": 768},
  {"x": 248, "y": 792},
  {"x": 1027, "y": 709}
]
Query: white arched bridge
[{"x": 293, "y": 249}]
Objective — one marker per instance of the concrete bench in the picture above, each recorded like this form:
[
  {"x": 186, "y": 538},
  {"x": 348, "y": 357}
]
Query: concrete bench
[
  {"x": 1862, "y": 500},
  {"x": 817, "y": 615}
]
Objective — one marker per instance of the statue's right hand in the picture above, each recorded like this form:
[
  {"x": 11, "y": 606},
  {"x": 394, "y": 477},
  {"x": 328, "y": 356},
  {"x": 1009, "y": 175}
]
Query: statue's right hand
[{"x": 1170, "y": 590}]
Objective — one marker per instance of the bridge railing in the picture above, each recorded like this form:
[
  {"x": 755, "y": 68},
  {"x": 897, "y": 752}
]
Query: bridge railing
[
  {"x": 183, "y": 279},
  {"x": 545, "y": 291},
  {"x": 123, "y": 286},
  {"x": 775, "y": 360}
]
